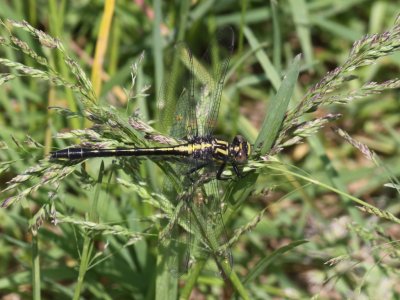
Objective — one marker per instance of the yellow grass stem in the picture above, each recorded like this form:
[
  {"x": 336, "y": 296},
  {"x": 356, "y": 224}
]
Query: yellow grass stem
[{"x": 101, "y": 45}]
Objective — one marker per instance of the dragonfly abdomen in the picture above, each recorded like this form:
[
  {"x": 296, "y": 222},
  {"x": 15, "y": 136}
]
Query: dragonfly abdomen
[{"x": 83, "y": 153}]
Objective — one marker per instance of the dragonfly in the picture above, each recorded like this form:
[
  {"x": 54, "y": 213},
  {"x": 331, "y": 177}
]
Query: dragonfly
[
  {"x": 189, "y": 102},
  {"x": 202, "y": 149}
]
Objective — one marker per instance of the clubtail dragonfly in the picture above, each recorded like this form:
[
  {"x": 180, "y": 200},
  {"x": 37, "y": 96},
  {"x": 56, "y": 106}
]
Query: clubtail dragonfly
[{"x": 189, "y": 103}]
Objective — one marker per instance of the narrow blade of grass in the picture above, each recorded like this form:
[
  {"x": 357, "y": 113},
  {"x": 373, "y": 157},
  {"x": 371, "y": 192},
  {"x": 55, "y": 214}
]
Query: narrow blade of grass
[
  {"x": 265, "y": 62},
  {"x": 277, "y": 109},
  {"x": 35, "y": 267},
  {"x": 335, "y": 28},
  {"x": 277, "y": 36},
  {"x": 262, "y": 264},
  {"x": 302, "y": 21},
  {"x": 101, "y": 45},
  {"x": 166, "y": 283}
]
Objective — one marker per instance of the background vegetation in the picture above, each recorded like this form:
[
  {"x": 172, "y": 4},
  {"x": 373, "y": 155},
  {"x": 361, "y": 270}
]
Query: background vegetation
[{"x": 327, "y": 226}]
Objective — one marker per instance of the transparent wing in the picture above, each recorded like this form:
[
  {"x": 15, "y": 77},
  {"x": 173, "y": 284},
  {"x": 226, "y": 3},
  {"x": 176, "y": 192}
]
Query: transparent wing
[
  {"x": 176, "y": 233},
  {"x": 190, "y": 96},
  {"x": 207, "y": 213},
  {"x": 188, "y": 105},
  {"x": 211, "y": 75},
  {"x": 195, "y": 230},
  {"x": 177, "y": 102}
]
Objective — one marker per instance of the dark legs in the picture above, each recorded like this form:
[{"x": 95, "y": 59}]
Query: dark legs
[
  {"x": 219, "y": 172},
  {"x": 235, "y": 170}
]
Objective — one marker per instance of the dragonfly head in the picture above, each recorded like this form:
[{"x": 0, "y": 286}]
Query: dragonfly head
[{"x": 240, "y": 149}]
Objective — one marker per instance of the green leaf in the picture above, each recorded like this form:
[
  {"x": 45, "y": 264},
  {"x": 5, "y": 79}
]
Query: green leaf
[
  {"x": 262, "y": 57},
  {"x": 262, "y": 264},
  {"x": 301, "y": 18},
  {"x": 277, "y": 109}
]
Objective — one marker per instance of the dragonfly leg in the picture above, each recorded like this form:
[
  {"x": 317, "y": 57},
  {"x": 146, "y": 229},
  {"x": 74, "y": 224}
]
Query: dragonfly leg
[
  {"x": 220, "y": 170},
  {"x": 196, "y": 168},
  {"x": 193, "y": 170},
  {"x": 236, "y": 170}
]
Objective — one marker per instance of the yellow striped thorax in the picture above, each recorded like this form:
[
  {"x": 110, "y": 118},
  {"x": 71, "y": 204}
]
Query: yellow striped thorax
[{"x": 204, "y": 148}]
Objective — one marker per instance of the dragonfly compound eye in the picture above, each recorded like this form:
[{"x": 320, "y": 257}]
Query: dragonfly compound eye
[
  {"x": 240, "y": 150},
  {"x": 241, "y": 156}
]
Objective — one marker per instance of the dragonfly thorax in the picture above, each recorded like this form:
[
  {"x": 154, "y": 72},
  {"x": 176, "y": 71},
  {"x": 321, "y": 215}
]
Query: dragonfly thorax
[
  {"x": 209, "y": 148},
  {"x": 205, "y": 148}
]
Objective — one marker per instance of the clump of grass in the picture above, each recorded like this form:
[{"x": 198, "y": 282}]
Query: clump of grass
[
  {"x": 111, "y": 130},
  {"x": 294, "y": 129},
  {"x": 364, "y": 52},
  {"x": 373, "y": 157}
]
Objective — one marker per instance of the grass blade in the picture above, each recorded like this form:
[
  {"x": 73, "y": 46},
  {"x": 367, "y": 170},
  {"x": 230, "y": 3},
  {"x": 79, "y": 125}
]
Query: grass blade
[
  {"x": 262, "y": 264},
  {"x": 301, "y": 18},
  {"x": 265, "y": 62},
  {"x": 277, "y": 109}
]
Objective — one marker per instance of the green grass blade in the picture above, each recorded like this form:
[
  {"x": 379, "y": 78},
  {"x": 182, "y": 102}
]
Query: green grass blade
[
  {"x": 262, "y": 264},
  {"x": 166, "y": 283},
  {"x": 35, "y": 267},
  {"x": 342, "y": 31},
  {"x": 302, "y": 21},
  {"x": 277, "y": 109},
  {"x": 277, "y": 36},
  {"x": 84, "y": 265},
  {"x": 265, "y": 62},
  {"x": 157, "y": 47}
]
